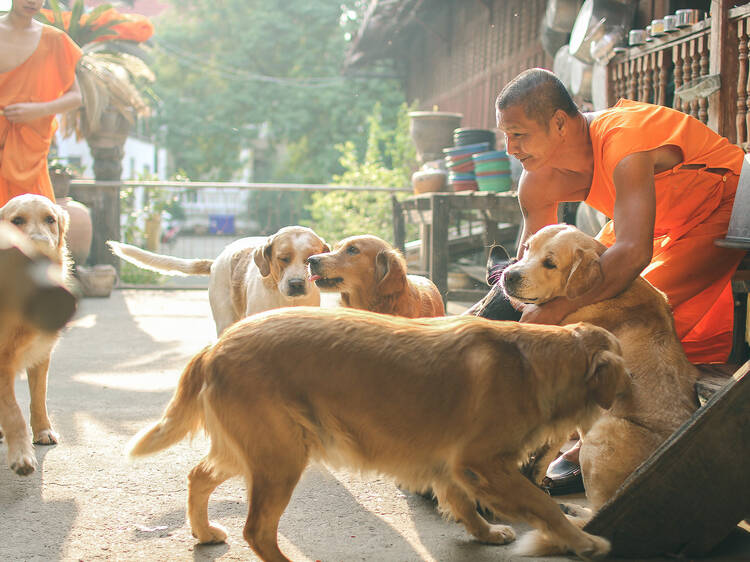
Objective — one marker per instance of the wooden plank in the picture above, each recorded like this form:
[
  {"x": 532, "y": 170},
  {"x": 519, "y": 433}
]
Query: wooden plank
[{"x": 693, "y": 490}]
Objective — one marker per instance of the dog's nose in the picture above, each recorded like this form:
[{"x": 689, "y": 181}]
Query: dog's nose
[
  {"x": 297, "y": 286},
  {"x": 313, "y": 260},
  {"x": 510, "y": 277}
]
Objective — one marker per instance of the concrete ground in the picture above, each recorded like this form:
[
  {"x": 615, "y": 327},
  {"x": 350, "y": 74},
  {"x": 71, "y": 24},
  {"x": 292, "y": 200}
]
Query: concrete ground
[{"x": 113, "y": 372}]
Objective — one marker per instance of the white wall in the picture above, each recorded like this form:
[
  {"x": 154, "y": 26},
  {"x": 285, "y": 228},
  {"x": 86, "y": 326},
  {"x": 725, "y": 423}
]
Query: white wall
[{"x": 140, "y": 156}]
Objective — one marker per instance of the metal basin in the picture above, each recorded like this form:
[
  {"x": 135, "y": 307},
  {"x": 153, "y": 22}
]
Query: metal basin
[{"x": 596, "y": 19}]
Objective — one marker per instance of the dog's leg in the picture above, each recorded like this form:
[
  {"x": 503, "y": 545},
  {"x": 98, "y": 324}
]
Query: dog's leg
[
  {"x": 502, "y": 487},
  {"x": 464, "y": 509},
  {"x": 41, "y": 427},
  {"x": 271, "y": 488},
  {"x": 20, "y": 452},
  {"x": 202, "y": 481}
]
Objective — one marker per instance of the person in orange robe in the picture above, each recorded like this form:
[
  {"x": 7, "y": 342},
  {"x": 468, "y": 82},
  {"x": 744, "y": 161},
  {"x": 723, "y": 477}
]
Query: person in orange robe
[
  {"x": 37, "y": 81},
  {"x": 665, "y": 179}
]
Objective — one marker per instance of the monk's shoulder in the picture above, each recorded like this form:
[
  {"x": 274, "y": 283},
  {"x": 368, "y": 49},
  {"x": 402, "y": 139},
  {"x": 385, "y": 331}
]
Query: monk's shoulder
[{"x": 547, "y": 185}]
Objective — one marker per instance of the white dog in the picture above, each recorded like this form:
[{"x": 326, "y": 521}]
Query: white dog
[{"x": 246, "y": 278}]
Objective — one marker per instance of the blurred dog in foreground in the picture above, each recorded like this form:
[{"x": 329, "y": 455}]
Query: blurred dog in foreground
[
  {"x": 34, "y": 306},
  {"x": 451, "y": 403},
  {"x": 246, "y": 277}
]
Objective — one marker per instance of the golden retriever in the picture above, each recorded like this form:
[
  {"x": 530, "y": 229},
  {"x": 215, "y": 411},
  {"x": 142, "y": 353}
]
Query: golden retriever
[
  {"x": 246, "y": 278},
  {"x": 371, "y": 275},
  {"x": 562, "y": 261},
  {"x": 451, "y": 403},
  {"x": 24, "y": 344}
]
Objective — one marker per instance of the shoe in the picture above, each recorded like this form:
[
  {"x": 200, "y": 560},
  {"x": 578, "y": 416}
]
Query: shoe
[{"x": 563, "y": 477}]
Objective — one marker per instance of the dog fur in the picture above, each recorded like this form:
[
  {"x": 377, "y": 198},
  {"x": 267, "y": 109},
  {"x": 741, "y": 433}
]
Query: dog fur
[
  {"x": 245, "y": 278},
  {"x": 24, "y": 345},
  {"x": 371, "y": 275},
  {"x": 561, "y": 261},
  {"x": 451, "y": 403}
]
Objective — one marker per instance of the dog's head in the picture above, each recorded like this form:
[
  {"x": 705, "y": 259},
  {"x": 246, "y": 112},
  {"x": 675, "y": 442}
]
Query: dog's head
[
  {"x": 284, "y": 258},
  {"x": 606, "y": 376},
  {"x": 558, "y": 261},
  {"x": 44, "y": 222},
  {"x": 359, "y": 264},
  {"x": 495, "y": 305}
]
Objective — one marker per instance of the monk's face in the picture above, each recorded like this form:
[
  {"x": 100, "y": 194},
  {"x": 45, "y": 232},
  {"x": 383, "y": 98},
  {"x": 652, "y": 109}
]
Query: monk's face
[
  {"x": 534, "y": 144},
  {"x": 28, "y": 8}
]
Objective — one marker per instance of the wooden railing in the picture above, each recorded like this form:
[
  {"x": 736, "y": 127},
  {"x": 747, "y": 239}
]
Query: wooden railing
[{"x": 697, "y": 70}]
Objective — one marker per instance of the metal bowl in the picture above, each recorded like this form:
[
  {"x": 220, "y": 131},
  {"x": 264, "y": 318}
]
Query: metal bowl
[
  {"x": 670, "y": 24},
  {"x": 686, "y": 18},
  {"x": 561, "y": 14},
  {"x": 637, "y": 37},
  {"x": 595, "y": 19}
]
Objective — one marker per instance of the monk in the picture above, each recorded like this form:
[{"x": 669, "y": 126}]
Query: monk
[
  {"x": 37, "y": 81},
  {"x": 666, "y": 180}
]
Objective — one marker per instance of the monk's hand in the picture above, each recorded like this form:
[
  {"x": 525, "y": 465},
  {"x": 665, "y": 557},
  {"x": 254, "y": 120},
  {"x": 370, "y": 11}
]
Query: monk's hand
[
  {"x": 24, "y": 112},
  {"x": 551, "y": 312}
]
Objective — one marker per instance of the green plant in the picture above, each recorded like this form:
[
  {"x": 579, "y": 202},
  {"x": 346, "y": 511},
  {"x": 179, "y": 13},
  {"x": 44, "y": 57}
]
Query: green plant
[
  {"x": 111, "y": 72},
  {"x": 389, "y": 161}
]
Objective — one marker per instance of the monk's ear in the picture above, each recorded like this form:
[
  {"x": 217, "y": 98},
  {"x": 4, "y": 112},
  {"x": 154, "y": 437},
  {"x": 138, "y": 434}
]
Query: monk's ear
[
  {"x": 584, "y": 274},
  {"x": 390, "y": 272}
]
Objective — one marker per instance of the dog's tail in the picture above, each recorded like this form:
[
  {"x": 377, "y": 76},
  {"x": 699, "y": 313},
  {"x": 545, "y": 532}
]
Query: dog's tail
[
  {"x": 158, "y": 262},
  {"x": 537, "y": 543},
  {"x": 183, "y": 414}
]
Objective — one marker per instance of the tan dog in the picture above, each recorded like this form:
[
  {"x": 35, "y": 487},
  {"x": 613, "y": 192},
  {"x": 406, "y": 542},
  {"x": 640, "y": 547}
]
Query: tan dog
[
  {"x": 452, "y": 404},
  {"x": 562, "y": 261},
  {"x": 246, "y": 278},
  {"x": 24, "y": 345},
  {"x": 371, "y": 275}
]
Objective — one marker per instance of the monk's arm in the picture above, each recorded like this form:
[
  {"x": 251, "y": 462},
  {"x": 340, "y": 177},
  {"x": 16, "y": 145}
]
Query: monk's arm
[
  {"x": 634, "y": 212},
  {"x": 537, "y": 207},
  {"x": 28, "y": 111}
]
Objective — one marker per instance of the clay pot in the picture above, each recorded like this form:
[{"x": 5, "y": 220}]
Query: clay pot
[
  {"x": 80, "y": 230},
  {"x": 432, "y": 131}
]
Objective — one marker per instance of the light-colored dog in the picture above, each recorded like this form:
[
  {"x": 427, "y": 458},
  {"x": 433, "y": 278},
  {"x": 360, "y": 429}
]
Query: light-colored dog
[
  {"x": 24, "y": 345},
  {"x": 371, "y": 275},
  {"x": 561, "y": 261},
  {"x": 451, "y": 403},
  {"x": 246, "y": 278}
]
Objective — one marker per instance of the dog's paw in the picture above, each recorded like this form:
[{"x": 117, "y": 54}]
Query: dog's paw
[
  {"x": 596, "y": 548},
  {"x": 22, "y": 464},
  {"x": 213, "y": 534},
  {"x": 498, "y": 534},
  {"x": 46, "y": 437},
  {"x": 575, "y": 510}
]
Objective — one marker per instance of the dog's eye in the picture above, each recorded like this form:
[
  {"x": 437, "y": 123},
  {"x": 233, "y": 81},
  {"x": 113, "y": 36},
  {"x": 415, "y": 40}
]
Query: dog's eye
[
  {"x": 18, "y": 221},
  {"x": 549, "y": 264},
  {"x": 49, "y": 219},
  {"x": 352, "y": 250},
  {"x": 285, "y": 259}
]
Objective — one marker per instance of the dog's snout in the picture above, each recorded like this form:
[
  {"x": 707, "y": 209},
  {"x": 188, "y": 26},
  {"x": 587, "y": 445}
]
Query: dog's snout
[
  {"x": 313, "y": 260},
  {"x": 511, "y": 277},
  {"x": 297, "y": 286}
]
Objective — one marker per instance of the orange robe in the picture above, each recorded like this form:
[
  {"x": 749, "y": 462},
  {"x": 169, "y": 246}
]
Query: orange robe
[
  {"x": 46, "y": 75},
  {"x": 692, "y": 210}
]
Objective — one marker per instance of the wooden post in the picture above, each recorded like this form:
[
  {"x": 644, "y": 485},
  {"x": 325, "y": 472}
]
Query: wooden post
[
  {"x": 399, "y": 228},
  {"x": 722, "y": 61},
  {"x": 439, "y": 242}
]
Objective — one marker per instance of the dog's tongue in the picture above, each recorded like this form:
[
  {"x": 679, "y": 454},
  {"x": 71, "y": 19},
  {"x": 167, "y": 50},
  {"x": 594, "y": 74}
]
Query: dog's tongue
[{"x": 314, "y": 278}]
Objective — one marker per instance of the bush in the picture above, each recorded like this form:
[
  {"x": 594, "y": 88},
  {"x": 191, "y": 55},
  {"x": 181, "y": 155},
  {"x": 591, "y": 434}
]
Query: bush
[{"x": 389, "y": 161}]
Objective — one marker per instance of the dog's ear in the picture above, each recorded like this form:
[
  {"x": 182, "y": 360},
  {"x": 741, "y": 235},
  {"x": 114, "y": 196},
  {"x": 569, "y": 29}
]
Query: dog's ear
[
  {"x": 390, "y": 272},
  {"x": 262, "y": 258},
  {"x": 585, "y": 273},
  {"x": 63, "y": 222},
  {"x": 607, "y": 378},
  {"x": 497, "y": 261},
  {"x": 326, "y": 248}
]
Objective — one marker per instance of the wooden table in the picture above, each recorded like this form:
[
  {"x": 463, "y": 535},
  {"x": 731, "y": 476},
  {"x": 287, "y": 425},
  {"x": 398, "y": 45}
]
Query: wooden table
[{"x": 432, "y": 212}]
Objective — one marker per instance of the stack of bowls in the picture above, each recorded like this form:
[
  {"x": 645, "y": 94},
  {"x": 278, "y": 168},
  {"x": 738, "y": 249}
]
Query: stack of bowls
[
  {"x": 460, "y": 165},
  {"x": 463, "y": 137},
  {"x": 492, "y": 170}
]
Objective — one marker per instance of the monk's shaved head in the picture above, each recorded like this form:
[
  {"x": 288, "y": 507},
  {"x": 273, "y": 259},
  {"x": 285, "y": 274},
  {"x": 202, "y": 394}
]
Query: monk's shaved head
[{"x": 540, "y": 93}]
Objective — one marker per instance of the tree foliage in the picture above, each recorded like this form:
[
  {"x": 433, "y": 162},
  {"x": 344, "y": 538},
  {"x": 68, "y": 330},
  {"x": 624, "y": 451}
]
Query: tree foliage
[
  {"x": 235, "y": 71},
  {"x": 389, "y": 161}
]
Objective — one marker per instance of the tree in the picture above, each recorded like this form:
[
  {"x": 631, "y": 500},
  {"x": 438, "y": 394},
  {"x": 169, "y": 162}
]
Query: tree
[{"x": 233, "y": 71}]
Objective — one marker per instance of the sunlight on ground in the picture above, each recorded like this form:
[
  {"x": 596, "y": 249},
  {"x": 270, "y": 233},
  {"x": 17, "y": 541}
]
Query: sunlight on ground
[
  {"x": 87, "y": 321},
  {"x": 373, "y": 499},
  {"x": 137, "y": 382}
]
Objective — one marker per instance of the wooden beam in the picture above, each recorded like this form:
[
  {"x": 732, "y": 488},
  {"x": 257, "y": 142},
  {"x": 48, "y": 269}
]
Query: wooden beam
[{"x": 723, "y": 62}]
